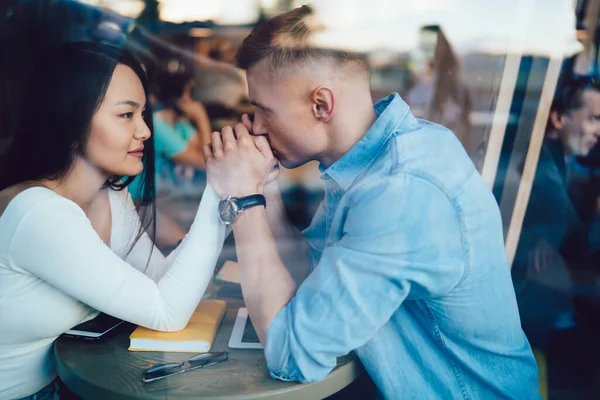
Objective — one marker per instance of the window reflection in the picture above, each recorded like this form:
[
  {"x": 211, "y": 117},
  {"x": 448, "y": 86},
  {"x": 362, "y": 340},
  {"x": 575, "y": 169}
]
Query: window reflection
[{"x": 478, "y": 68}]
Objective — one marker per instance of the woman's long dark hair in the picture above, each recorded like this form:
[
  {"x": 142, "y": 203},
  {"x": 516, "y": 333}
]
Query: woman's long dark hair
[{"x": 63, "y": 94}]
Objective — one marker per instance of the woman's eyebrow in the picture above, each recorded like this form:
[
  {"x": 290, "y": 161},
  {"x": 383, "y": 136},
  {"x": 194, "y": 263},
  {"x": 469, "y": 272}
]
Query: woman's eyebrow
[{"x": 132, "y": 103}]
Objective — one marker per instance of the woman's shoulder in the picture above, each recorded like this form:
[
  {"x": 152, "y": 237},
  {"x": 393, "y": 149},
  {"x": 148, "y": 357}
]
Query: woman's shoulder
[
  {"x": 18, "y": 202},
  {"x": 27, "y": 209}
]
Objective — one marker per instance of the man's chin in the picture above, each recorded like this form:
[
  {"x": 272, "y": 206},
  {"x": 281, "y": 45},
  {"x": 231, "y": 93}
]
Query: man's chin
[{"x": 291, "y": 164}]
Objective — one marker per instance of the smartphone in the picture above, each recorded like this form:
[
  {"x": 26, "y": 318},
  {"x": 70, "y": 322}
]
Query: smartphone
[{"x": 95, "y": 328}]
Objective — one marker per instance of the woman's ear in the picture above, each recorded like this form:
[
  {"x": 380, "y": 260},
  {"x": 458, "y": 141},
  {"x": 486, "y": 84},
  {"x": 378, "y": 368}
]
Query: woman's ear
[{"x": 323, "y": 103}]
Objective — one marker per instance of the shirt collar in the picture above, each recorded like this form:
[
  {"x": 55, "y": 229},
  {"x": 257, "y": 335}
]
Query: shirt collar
[{"x": 391, "y": 112}]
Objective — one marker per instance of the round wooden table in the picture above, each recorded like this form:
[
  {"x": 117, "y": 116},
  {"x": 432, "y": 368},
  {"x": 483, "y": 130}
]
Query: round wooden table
[{"x": 107, "y": 370}]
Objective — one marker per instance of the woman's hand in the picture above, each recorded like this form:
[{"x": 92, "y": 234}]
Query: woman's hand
[
  {"x": 237, "y": 163},
  {"x": 271, "y": 178}
]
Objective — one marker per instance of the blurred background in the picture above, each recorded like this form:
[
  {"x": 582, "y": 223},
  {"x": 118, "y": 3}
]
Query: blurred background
[{"x": 515, "y": 80}]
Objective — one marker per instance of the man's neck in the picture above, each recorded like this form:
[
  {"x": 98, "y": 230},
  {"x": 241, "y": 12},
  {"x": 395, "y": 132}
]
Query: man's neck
[{"x": 351, "y": 124}]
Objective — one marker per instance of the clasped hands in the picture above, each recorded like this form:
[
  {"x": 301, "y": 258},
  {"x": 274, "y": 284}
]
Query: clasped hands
[{"x": 239, "y": 163}]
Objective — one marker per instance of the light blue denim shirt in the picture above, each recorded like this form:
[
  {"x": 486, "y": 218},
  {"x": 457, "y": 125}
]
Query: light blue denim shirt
[{"x": 409, "y": 272}]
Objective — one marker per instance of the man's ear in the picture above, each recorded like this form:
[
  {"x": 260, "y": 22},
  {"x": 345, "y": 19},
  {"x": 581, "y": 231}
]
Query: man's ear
[
  {"x": 556, "y": 119},
  {"x": 323, "y": 103}
]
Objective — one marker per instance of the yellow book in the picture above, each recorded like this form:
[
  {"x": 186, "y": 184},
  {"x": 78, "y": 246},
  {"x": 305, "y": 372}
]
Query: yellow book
[{"x": 196, "y": 337}]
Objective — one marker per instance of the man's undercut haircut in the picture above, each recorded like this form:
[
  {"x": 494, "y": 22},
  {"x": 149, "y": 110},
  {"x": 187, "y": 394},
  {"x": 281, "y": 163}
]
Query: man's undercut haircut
[{"x": 288, "y": 40}]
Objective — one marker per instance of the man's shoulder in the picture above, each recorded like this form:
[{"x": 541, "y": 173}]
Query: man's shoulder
[{"x": 427, "y": 152}]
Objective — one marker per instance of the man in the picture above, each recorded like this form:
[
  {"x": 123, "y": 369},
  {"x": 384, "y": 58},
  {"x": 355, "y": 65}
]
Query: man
[
  {"x": 407, "y": 261},
  {"x": 555, "y": 236}
]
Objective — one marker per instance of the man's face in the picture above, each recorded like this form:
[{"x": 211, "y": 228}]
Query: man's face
[
  {"x": 581, "y": 129},
  {"x": 284, "y": 115}
]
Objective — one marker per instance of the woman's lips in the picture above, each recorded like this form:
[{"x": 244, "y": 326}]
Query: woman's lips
[{"x": 138, "y": 153}]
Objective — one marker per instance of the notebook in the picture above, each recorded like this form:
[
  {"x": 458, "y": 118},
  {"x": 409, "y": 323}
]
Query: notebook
[{"x": 196, "y": 337}]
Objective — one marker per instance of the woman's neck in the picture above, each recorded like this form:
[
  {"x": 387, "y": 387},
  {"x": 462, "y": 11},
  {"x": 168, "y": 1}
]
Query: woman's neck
[{"x": 81, "y": 184}]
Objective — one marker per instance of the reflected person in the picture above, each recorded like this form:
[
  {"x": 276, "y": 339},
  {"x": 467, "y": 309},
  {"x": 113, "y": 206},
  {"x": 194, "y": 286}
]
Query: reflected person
[{"x": 554, "y": 241}]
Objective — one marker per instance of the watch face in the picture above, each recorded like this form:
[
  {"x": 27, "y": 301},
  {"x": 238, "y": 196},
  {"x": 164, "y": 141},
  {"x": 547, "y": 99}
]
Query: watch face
[{"x": 228, "y": 210}]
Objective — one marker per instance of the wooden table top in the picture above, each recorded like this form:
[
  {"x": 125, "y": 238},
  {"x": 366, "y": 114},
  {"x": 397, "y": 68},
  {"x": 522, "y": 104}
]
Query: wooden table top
[{"x": 107, "y": 370}]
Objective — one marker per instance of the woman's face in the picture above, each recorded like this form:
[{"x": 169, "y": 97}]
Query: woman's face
[{"x": 116, "y": 141}]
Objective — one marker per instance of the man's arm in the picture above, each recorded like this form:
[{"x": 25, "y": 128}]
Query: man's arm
[
  {"x": 291, "y": 245},
  {"x": 267, "y": 285},
  {"x": 402, "y": 240},
  {"x": 239, "y": 165}
]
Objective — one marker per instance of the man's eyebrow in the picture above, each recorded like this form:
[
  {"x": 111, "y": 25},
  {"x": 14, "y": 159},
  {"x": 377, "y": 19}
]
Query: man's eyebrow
[{"x": 132, "y": 103}]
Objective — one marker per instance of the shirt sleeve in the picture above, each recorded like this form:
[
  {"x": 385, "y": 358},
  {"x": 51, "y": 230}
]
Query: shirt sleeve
[
  {"x": 70, "y": 256},
  {"x": 166, "y": 140},
  {"x": 401, "y": 240},
  {"x": 315, "y": 235}
]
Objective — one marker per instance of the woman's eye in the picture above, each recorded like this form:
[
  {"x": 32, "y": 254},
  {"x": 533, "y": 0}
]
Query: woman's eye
[{"x": 128, "y": 115}]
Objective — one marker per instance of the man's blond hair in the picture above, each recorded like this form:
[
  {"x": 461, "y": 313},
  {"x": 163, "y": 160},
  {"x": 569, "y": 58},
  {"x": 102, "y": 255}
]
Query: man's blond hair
[{"x": 288, "y": 39}]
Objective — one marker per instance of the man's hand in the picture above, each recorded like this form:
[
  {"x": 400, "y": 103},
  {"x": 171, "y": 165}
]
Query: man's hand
[{"x": 238, "y": 164}]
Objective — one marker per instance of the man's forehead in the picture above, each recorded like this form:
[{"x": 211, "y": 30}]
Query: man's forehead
[
  {"x": 256, "y": 87},
  {"x": 262, "y": 82}
]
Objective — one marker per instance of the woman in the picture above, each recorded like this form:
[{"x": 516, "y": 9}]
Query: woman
[{"x": 71, "y": 241}]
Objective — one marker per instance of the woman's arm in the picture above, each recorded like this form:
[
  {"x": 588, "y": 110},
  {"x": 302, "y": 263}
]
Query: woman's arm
[{"x": 70, "y": 256}]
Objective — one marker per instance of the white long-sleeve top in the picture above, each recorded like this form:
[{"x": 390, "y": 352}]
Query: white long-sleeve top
[{"x": 56, "y": 272}]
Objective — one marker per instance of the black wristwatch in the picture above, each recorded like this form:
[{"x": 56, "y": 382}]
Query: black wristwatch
[{"x": 231, "y": 207}]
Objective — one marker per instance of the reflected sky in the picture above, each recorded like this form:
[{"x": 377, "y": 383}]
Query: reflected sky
[
  {"x": 533, "y": 26},
  {"x": 537, "y": 26}
]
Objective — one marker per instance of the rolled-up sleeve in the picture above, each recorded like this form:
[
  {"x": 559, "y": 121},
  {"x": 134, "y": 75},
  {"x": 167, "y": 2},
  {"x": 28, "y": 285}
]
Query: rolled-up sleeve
[{"x": 401, "y": 240}]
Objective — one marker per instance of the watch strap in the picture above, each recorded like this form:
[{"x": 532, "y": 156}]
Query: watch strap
[{"x": 254, "y": 200}]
